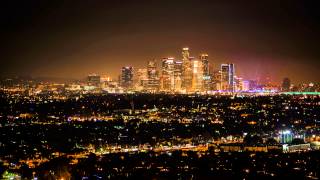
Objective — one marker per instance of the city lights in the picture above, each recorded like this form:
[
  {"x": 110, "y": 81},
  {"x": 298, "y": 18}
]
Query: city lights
[{"x": 159, "y": 89}]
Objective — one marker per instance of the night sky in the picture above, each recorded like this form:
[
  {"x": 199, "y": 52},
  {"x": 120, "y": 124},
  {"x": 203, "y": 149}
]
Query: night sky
[{"x": 53, "y": 38}]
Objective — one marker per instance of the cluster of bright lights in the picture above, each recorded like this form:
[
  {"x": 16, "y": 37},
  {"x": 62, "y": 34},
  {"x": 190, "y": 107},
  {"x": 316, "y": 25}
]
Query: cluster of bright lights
[{"x": 285, "y": 132}]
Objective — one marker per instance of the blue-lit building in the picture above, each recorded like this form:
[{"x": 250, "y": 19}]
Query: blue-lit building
[{"x": 285, "y": 137}]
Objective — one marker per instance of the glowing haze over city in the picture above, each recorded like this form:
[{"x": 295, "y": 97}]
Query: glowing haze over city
[{"x": 266, "y": 40}]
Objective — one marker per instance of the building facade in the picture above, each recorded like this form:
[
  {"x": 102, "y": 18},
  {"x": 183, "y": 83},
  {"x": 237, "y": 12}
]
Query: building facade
[
  {"x": 186, "y": 70},
  {"x": 197, "y": 75},
  {"x": 153, "y": 76},
  {"x": 93, "y": 80},
  {"x": 167, "y": 83},
  {"x": 206, "y": 72},
  {"x": 126, "y": 79},
  {"x": 227, "y": 77}
]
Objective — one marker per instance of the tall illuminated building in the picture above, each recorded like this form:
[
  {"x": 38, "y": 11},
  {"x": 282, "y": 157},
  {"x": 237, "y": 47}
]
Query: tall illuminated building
[
  {"x": 197, "y": 75},
  {"x": 239, "y": 86},
  {"x": 178, "y": 66},
  {"x": 206, "y": 71},
  {"x": 141, "y": 79},
  {"x": 286, "y": 83},
  {"x": 126, "y": 79},
  {"x": 94, "y": 80},
  {"x": 186, "y": 70},
  {"x": 185, "y": 54},
  {"x": 227, "y": 77},
  {"x": 167, "y": 83},
  {"x": 152, "y": 75},
  {"x": 215, "y": 83},
  {"x": 205, "y": 62}
]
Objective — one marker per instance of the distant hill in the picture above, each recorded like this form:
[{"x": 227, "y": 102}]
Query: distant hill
[{"x": 38, "y": 79}]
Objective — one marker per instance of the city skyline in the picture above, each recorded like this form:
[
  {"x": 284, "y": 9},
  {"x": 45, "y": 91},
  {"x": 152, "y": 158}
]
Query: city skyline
[
  {"x": 212, "y": 67},
  {"x": 266, "y": 39}
]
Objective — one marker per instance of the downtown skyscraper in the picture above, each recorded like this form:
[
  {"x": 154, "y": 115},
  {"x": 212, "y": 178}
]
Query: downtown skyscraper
[
  {"x": 227, "y": 77},
  {"x": 167, "y": 79},
  {"x": 186, "y": 70},
  {"x": 197, "y": 75},
  {"x": 152, "y": 76},
  {"x": 126, "y": 78},
  {"x": 207, "y": 77}
]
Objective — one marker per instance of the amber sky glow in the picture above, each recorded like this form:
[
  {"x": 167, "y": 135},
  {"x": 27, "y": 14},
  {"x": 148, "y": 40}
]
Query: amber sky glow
[{"x": 74, "y": 38}]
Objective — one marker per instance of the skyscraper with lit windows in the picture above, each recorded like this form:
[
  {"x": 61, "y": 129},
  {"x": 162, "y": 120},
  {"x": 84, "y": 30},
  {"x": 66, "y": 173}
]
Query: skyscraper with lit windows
[
  {"x": 126, "y": 79},
  {"x": 94, "y": 80},
  {"x": 153, "y": 78},
  {"x": 167, "y": 83},
  {"x": 286, "y": 83},
  {"x": 186, "y": 70},
  {"x": 215, "y": 82},
  {"x": 197, "y": 75},
  {"x": 178, "y": 66},
  {"x": 227, "y": 77},
  {"x": 205, "y": 62},
  {"x": 141, "y": 79},
  {"x": 206, "y": 71}
]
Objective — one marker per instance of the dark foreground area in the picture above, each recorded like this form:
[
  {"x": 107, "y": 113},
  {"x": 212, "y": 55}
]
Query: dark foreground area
[{"x": 182, "y": 165}]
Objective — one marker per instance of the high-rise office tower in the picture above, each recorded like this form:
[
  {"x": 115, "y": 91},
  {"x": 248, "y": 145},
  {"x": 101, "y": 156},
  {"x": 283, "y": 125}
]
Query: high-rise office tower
[
  {"x": 215, "y": 83},
  {"x": 178, "y": 75},
  {"x": 167, "y": 74},
  {"x": 126, "y": 78},
  {"x": 286, "y": 83},
  {"x": 238, "y": 83},
  {"x": 153, "y": 78},
  {"x": 141, "y": 79},
  {"x": 206, "y": 71},
  {"x": 186, "y": 70},
  {"x": 205, "y": 62},
  {"x": 197, "y": 75},
  {"x": 185, "y": 54},
  {"x": 93, "y": 80},
  {"x": 227, "y": 77}
]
